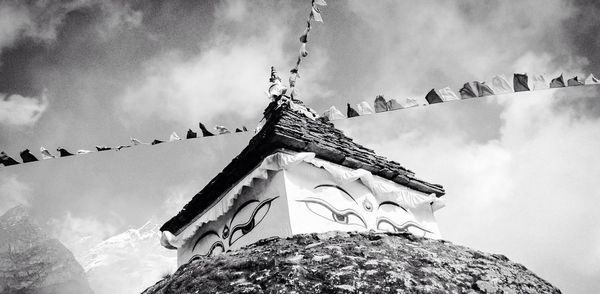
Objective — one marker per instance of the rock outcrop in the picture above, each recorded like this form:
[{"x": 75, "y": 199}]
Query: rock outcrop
[
  {"x": 353, "y": 263},
  {"x": 32, "y": 262}
]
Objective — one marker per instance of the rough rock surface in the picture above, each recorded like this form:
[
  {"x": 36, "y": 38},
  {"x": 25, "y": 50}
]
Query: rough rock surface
[
  {"x": 353, "y": 263},
  {"x": 32, "y": 262}
]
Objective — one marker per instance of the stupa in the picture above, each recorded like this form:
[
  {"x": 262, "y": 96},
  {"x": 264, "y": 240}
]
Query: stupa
[{"x": 299, "y": 174}]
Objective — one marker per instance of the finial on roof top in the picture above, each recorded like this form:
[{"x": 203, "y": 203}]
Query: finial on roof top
[{"x": 276, "y": 89}]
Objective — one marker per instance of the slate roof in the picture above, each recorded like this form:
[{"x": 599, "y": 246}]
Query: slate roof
[{"x": 288, "y": 129}]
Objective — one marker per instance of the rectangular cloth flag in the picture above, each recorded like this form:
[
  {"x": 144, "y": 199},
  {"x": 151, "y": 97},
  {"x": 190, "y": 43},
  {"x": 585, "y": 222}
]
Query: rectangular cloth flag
[
  {"x": 520, "y": 82},
  {"x": 433, "y": 98}
]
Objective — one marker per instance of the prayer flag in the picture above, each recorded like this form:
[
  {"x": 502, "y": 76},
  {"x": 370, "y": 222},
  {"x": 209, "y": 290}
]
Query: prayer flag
[
  {"x": 7, "y": 160},
  {"x": 222, "y": 130},
  {"x": 557, "y": 82},
  {"x": 315, "y": 14},
  {"x": 411, "y": 102},
  {"x": 63, "y": 152},
  {"x": 46, "y": 154},
  {"x": 467, "y": 91},
  {"x": 351, "y": 112},
  {"x": 122, "y": 147},
  {"x": 137, "y": 142},
  {"x": 320, "y": 2},
  {"x": 333, "y": 114},
  {"x": 484, "y": 90},
  {"x": 156, "y": 142},
  {"x": 500, "y": 85},
  {"x": 174, "y": 137},
  {"x": 205, "y": 131},
  {"x": 380, "y": 104},
  {"x": 538, "y": 82},
  {"x": 26, "y": 156},
  {"x": 191, "y": 134},
  {"x": 83, "y": 151},
  {"x": 364, "y": 108},
  {"x": 591, "y": 80},
  {"x": 574, "y": 82},
  {"x": 433, "y": 98},
  {"x": 303, "y": 51},
  {"x": 99, "y": 148},
  {"x": 394, "y": 105},
  {"x": 520, "y": 82},
  {"x": 447, "y": 94}
]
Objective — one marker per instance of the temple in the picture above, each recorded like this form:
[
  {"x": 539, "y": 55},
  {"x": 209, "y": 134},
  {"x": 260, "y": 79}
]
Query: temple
[{"x": 299, "y": 174}]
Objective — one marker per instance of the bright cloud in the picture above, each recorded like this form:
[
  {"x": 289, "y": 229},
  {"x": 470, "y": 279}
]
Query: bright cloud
[{"x": 21, "y": 111}]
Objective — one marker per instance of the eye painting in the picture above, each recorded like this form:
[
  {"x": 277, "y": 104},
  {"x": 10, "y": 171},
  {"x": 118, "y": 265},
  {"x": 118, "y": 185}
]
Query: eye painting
[
  {"x": 327, "y": 211},
  {"x": 257, "y": 215},
  {"x": 386, "y": 224},
  {"x": 215, "y": 249}
]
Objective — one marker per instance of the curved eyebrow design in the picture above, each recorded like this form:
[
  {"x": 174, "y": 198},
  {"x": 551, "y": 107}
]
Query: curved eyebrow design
[
  {"x": 337, "y": 187},
  {"x": 206, "y": 234},
  {"x": 391, "y": 203},
  {"x": 240, "y": 209}
]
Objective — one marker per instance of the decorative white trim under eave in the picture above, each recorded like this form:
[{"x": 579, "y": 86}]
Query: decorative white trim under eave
[{"x": 281, "y": 161}]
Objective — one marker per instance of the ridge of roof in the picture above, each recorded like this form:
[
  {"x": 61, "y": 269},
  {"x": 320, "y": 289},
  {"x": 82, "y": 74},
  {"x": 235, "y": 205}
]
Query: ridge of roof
[{"x": 288, "y": 128}]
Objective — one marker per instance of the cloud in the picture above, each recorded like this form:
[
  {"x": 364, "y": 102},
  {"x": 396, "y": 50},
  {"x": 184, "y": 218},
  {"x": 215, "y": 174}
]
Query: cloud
[
  {"x": 229, "y": 76},
  {"x": 42, "y": 20},
  {"x": 21, "y": 111},
  {"x": 12, "y": 193},
  {"x": 436, "y": 43}
]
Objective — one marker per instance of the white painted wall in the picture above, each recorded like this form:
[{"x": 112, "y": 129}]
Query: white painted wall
[
  {"x": 318, "y": 204},
  {"x": 259, "y": 212},
  {"x": 305, "y": 199}
]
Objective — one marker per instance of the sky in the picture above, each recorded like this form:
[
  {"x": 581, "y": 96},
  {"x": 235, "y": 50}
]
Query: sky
[{"x": 519, "y": 170}]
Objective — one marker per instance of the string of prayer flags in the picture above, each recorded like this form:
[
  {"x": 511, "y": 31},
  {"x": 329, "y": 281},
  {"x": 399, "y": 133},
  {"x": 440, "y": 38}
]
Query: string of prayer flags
[
  {"x": 63, "y": 152},
  {"x": 7, "y": 160},
  {"x": 315, "y": 14},
  {"x": 205, "y": 131},
  {"x": 558, "y": 82},
  {"x": 433, "y": 97},
  {"x": 174, "y": 137},
  {"x": 500, "y": 85},
  {"x": 591, "y": 80},
  {"x": 26, "y": 156},
  {"x": 333, "y": 114},
  {"x": 574, "y": 82},
  {"x": 521, "y": 82},
  {"x": 380, "y": 104},
  {"x": 364, "y": 108},
  {"x": 45, "y": 153},
  {"x": 351, "y": 112}
]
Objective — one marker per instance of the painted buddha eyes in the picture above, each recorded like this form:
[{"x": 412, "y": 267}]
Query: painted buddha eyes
[
  {"x": 327, "y": 211},
  {"x": 257, "y": 215},
  {"x": 386, "y": 224}
]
